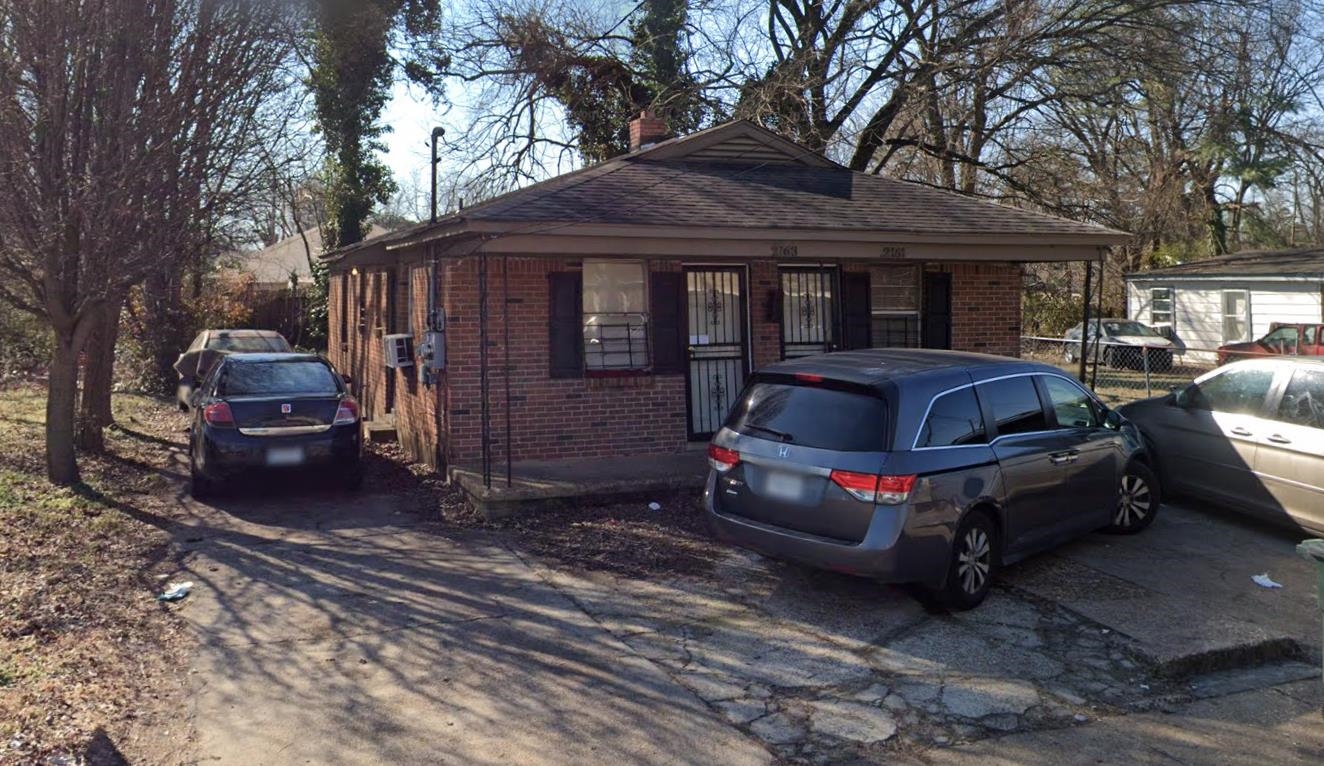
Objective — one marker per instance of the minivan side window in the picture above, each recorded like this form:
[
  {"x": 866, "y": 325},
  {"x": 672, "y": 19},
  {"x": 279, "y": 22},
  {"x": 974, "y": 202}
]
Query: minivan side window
[
  {"x": 1240, "y": 391},
  {"x": 1074, "y": 408},
  {"x": 1303, "y": 401},
  {"x": 1015, "y": 405},
  {"x": 954, "y": 419}
]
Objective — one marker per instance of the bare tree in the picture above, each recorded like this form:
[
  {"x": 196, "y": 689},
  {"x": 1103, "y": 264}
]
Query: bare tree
[{"x": 115, "y": 123}]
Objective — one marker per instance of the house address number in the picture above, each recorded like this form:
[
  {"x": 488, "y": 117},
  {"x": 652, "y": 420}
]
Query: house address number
[
  {"x": 782, "y": 250},
  {"x": 892, "y": 251}
]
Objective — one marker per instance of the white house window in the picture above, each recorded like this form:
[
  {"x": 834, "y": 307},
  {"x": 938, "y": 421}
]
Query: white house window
[
  {"x": 615, "y": 315},
  {"x": 1160, "y": 306},
  {"x": 894, "y": 305},
  {"x": 1236, "y": 316}
]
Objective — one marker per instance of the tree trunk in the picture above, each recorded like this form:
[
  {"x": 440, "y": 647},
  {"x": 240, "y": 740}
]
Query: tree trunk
[
  {"x": 61, "y": 401},
  {"x": 98, "y": 379}
]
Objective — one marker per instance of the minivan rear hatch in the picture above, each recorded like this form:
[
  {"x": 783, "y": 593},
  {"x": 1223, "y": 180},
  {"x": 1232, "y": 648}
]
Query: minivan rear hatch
[{"x": 789, "y": 435}]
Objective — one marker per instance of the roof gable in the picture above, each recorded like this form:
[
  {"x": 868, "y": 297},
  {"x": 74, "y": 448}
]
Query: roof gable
[{"x": 739, "y": 142}]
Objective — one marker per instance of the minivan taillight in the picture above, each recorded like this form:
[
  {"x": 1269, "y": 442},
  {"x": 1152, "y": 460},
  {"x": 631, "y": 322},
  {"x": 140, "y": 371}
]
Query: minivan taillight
[
  {"x": 347, "y": 413},
  {"x": 218, "y": 415},
  {"x": 722, "y": 459},
  {"x": 883, "y": 490}
]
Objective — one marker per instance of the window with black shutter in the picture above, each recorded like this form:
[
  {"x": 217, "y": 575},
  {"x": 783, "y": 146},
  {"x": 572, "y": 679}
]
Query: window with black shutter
[
  {"x": 566, "y": 324},
  {"x": 667, "y": 297}
]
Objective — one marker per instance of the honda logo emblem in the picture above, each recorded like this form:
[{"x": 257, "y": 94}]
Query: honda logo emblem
[
  {"x": 783, "y": 451},
  {"x": 285, "y": 409}
]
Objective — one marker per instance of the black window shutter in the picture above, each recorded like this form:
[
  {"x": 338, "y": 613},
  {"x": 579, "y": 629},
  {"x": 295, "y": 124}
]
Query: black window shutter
[
  {"x": 666, "y": 294},
  {"x": 566, "y": 320},
  {"x": 856, "y": 313}
]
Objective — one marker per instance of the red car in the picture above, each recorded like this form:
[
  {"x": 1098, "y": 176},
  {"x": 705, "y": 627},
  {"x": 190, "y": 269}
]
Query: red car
[{"x": 1282, "y": 340}]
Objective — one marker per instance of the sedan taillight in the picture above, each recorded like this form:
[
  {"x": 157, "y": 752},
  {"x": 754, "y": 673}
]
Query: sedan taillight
[
  {"x": 218, "y": 415},
  {"x": 347, "y": 413}
]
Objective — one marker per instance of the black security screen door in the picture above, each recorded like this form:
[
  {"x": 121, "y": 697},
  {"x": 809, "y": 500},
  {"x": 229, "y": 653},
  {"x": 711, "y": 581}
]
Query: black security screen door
[
  {"x": 808, "y": 311},
  {"x": 715, "y": 322}
]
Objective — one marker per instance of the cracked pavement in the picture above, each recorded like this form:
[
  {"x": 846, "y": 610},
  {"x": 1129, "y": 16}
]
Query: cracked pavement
[{"x": 347, "y": 630}]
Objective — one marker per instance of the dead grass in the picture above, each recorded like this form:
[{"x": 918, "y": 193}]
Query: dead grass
[
  {"x": 83, "y": 643},
  {"x": 626, "y": 539}
]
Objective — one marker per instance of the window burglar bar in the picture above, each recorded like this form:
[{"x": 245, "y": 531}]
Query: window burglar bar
[{"x": 616, "y": 341}]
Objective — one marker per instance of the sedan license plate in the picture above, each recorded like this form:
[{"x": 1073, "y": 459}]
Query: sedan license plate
[
  {"x": 784, "y": 486},
  {"x": 278, "y": 456}
]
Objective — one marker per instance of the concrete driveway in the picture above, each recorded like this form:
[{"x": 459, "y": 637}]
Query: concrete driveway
[{"x": 346, "y": 630}]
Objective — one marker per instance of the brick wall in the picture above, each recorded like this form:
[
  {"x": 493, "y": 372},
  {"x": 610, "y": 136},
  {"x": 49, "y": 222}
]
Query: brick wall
[
  {"x": 553, "y": 418},
  {"x": 986, "y": 307},
  {"x": 358, "y": 351},
  {"x": 550, "y": 418}
]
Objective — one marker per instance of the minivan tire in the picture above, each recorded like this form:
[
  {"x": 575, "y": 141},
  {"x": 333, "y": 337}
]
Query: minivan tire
[
  {"x": 974, "y": 562},
  {"x": 1138, "y": 499}
]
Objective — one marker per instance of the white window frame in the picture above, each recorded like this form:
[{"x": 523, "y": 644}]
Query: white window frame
[
  {"x": 1244, "y": 318},
  {"x": 1171, "y": 310},
  {"x": 876, "y": 313},
  {"x": 622, "y": 344}
]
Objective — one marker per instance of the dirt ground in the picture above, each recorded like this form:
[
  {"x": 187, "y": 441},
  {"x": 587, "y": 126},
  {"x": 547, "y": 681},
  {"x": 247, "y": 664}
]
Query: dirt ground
[{"x": 86, "y": 651}]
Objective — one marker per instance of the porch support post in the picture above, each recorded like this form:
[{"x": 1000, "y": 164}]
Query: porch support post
[{"x": 1085, "y": 320}]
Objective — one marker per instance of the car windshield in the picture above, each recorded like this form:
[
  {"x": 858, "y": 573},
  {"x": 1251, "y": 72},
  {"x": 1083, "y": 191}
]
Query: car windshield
[
  {"x": 1127, "y": 329},
  {"x": 309, "y": 378},
  {"x": 248, "y": 343},
  {"x": 813, "y": 416}
]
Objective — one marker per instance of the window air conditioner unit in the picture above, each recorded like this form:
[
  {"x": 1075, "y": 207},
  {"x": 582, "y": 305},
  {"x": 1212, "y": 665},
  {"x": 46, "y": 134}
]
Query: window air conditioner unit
[{"x": 398, "y": 350}]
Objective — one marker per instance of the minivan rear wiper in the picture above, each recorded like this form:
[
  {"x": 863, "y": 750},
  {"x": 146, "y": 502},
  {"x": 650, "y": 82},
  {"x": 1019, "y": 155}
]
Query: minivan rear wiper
[{"x": 782, "y": 435}]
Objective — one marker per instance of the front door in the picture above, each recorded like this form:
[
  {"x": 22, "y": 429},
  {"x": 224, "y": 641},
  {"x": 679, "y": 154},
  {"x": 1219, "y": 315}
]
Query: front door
[
  {"x": 937, "y": 311},
  {"x": 808, "y": 311},
  {"x": 715, "y": 321}
]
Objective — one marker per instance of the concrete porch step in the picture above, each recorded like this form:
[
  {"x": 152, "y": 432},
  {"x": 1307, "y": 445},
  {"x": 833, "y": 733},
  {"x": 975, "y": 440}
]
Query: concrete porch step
[{"x": 380, "y": 429}]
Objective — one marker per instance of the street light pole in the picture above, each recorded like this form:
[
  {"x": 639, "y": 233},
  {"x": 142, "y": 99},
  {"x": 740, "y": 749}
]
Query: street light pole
[{"x": 437, "y": 133}]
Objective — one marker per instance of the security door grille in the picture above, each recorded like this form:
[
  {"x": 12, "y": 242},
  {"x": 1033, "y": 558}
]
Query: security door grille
[
  {"x": 809, "y": 312},
  {"x": 715, "y": 319}
]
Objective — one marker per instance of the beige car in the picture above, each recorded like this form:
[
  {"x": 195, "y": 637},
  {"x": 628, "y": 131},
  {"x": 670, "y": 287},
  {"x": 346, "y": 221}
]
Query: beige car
[{"x": 1249, "y": 435}]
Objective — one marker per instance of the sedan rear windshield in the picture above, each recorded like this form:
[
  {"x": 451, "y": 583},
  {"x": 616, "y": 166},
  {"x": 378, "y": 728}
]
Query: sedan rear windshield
[
  {"x": 248, "y": 344},
  {"x": 260, "y": 378},
  {"x": 811, "y": 415}
]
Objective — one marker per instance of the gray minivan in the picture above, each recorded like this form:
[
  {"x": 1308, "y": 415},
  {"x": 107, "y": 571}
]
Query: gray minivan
[{"x": 932, "y": 467}]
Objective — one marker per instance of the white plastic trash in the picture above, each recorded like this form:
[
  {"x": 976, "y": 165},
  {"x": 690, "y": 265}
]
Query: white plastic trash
[
  {"x": 175, "y": 591},
  {"x": 1264, "y": 581},
  {"x": 654, "y": 506}
]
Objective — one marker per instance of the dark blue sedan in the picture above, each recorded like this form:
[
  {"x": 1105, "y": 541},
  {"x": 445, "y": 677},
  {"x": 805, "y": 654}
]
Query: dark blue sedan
[{"x": 273, "y": 412}]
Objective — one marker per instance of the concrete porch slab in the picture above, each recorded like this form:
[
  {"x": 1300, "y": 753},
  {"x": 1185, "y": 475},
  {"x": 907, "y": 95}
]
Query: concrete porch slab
[{"x": 541, "y": 483}]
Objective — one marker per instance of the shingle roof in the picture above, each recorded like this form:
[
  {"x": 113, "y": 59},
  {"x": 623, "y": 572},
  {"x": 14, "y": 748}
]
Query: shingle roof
[
  {"x": 1300, "y": 262},
  {"x": 667, "y": 193},
  {"x": 742, "y": 176}
]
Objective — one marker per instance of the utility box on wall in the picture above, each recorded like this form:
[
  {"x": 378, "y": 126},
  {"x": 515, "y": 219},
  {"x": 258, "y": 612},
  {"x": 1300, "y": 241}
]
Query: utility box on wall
[
  {"x": 398, "y": 350},
  {"x": 432, "y": 350}
]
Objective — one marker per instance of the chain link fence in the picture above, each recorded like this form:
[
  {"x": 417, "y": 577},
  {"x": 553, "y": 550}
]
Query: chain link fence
[{"x": 1121, "y": 373}]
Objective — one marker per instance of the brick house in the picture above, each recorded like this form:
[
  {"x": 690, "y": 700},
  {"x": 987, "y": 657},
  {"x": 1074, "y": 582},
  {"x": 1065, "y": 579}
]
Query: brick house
[{"x": 622, "y": 305}]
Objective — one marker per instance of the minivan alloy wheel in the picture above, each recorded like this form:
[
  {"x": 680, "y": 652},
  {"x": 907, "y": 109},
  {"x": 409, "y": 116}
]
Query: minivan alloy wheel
[
  {"x": 1134, "y": 502},
  {"x": 974, "y": 560}
]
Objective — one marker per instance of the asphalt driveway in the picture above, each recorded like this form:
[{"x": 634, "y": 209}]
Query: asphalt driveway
[{"x": 351, "y": 630}]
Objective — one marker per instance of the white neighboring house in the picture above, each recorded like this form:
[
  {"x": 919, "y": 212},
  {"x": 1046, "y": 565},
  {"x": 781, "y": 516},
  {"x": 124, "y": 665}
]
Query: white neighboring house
[
  {"x": 1228, "y": 299},
  {"x": 273, "y": 266}
]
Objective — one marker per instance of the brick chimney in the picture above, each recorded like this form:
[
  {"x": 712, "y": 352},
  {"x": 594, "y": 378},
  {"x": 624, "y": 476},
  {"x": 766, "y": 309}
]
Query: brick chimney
[{"x": 647, "y": 129}]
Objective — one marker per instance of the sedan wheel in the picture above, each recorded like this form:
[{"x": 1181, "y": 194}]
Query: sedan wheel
[{"x": 1138, "y": 499}]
